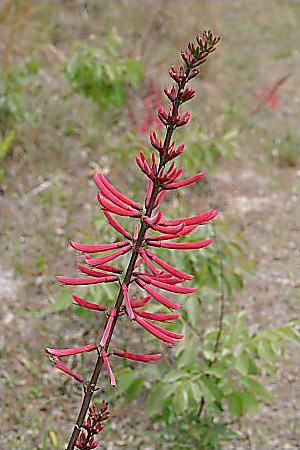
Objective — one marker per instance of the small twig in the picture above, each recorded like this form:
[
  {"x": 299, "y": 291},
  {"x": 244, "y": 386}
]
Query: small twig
[
  {"x": 223, "y": 296},
  {"x": 221, "y": 313},
  {"x": 40, "y": 188}
]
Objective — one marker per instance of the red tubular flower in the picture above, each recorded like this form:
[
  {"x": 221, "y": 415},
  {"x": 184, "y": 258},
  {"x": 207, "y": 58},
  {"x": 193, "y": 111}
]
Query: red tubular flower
[
  {"x": 154, "y": 166},
  {"x": 144, "y": 168},
  {"x": 107, "y": 205},
  {"x": 168, "y": 230},
  {"x": 184, "y": 120},
  {"x": 135, "y": 357},
  {"x": 119, "y": 195},
  {"x": 87, "y": 271},
  {"x": 109, "y": 268},
  {"x": 136, "y": 233},
  {"x": 97, "y": 248},
  {"x": 164, "y": 301},
  {"x": 182, "y": 183},
  {"x": 160, "y": 335},
  {"x": 116, "y": 226},
  {"x": 169, "y": 268},
  {"x": 168, "y": 333},
  {"x": 151, "y": 266},
  {"x": 83, "y": 281},
  {"x": 158, "y": 317},
  {"x": 153, "y": 220},
  {"x": 163, "y": 237},
  {"x": 61, "y": 366},
  {"x": 171, "y": 94},
  {"x": 164, "y": 278},
  {"x": 168, "y": 287},
  {"x": 112, "y": 315},
  {"x": 109, "y": 195},
  {"x": 88, "y": 305},
  {"x": 139, "y": 303},
  {"x": 108, "y": 368},
  {"x": 201, "y": 218},
  {"x": 70, "y": 351},
  {"x": 187, "y": 94},
  {"x": 154, "y": 142},
  {"x": 181, "y": 245},
  {"x": 149, "y": 191},
  {"x": 127, "y": 302},
  {"x": 159, "y": 199},
  {"x": 100, "y": 261}
]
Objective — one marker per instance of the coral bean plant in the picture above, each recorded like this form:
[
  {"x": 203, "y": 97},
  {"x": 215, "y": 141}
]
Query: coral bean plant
[{"x": 145, "y": 272}]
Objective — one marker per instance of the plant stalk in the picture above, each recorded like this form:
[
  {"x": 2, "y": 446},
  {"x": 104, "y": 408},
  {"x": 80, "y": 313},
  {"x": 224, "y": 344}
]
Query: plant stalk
[{"x": 91, "y": 387}]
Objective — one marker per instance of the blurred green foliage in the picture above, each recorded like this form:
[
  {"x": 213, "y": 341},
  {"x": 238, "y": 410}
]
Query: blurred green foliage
[
  {"x": 5, "y": 145},
  {"x": 205, "y": 148},
  {"x": 217, "y": 365},
  {"x": 102, "y": 73},
  {"x": 285, "y": 150},
  {"x": 15, "y": 81}
]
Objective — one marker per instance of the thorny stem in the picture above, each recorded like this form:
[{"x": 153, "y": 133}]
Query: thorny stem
[
  {"x": 127, "y": 279},
  {"x": 221, "y": 313}
]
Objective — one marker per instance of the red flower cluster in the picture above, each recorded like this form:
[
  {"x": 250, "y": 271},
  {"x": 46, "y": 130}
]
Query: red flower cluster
[
  {"x": 269, "y": 97},
  {"x": 92, "y": 426},
  {"x": 150, "y": 102},
  {"x": 145, "y": 271}
]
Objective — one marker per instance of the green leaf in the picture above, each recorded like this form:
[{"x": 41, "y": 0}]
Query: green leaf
[
  {"x": 237, "y": 281},
  {"x": 193, "y": 310},
  {"x": 249, "y": 401},
  {"x": 181, "y": 399},
  {"x": 188, "y": 355},
  {"x": 218, "y": 370},
  {"x": 235, "y": 404},
  {"x": 265, "y": 351},
  {"x": 256, "y": 388},
  {"x": 241, "y": 363},
  {"x": 156, "y": 399},
  {"x": 210, "y": 389},
  {"x": 61, "y": 303},
  {"x": 134, "y": 389},
  {"x": 125, "y": 379},
  {"x": 175, "y": 375},
  {"x": 286, "y": 333},
  {"x": 196, "y": 391}
]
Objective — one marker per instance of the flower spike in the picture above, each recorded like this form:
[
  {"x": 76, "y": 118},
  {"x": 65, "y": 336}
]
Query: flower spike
[{"x": 151, "y": 231}]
